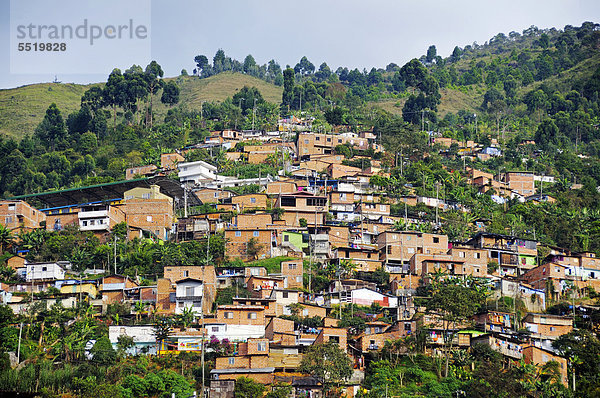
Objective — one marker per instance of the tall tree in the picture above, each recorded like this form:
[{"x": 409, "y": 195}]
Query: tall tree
[
  {"x": 154, "y": 74},
  {"x": 114, "y": 92},
  {"x": 328, "y": 363},
  {"x": 170, "y": 95},
  {"x": 52, "y": 129},
  {"x": 288, "y": 88}
]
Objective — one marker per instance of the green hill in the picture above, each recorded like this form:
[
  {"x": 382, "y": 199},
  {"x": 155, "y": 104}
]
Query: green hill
[{"x": 22, "y": 108}]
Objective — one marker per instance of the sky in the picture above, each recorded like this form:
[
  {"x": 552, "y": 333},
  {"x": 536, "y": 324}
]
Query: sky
[{"x": 352, "y": 33}]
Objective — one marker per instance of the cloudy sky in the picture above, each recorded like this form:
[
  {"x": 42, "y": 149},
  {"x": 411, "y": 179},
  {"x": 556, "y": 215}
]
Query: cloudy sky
[{"x": 342, "y": 33}]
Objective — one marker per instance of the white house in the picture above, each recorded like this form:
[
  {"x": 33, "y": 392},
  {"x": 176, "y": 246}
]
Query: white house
[
  {"x": 188, "y": 294},
  {"x": 196, "y": 171},
  {"x": 144, "y": 339},
  {"x": 238, "y": 333},
  {"x": 366, "y": 296},
  {"x": 45, "y": 271}
]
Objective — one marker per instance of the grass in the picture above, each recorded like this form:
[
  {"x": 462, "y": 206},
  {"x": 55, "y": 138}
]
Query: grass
[
  {"x": 23, "y": 108},
  {"x": 273, "y": 265}
]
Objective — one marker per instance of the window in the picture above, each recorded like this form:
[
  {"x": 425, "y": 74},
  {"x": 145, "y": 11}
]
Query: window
[
  {"x": 334, "y": 339},
  {"x": 149, "y": 218},
  {"x": 256, "y": 233},
  {"x": 552, "y": 328},
  {"x": 11, "y": 207},
  {"x": 189, "y": 291},
  {"x": 238, "y": 233},
  {"x": 461, "y": 254},
  {"x": 317, "y": 138},
  {"x": 286, "y": 238},
  {"x": 44, "y": 268},
  {"x": 306, "y": 141},
  {"x": 198, "y": 304},
  {"x": 228, "y": 315},
  {"x": 252, "y": 200},
  {"x": 262, "y": 346},
  {"x": 368, "y": 255},
  {"x": 285, "y": 294},
  {"x": 252, "y": 315},
  {"x": 215, "y": 328},
  {"x": 288, "y": 201},
  {"x": 146, "y": 195},
  {"x": 186, "y": 274},
  {"x": 298, "y": 279},
  {"x": 85, "y": 223},
  {"x": 292, "y": 266},
  {"x": 410, "y": 250},
  {"x": 389, "y": 249},
  {"x": 305, "y": 312},
  {"x": 216, "y": 194},
  {"x": 436, "y": 240},
  {"x": 328, "y": 139},
  {"x": 343, "y": 196},
  {"x": 477, "y": 255},
  {"x": 381, "y": 207},
  {"x": 232, "y": 360}
]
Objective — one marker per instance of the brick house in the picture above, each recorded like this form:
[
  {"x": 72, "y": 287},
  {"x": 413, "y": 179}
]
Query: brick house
[
  {"x": 302, "y": 205},
  {"x": 150, "y": 210},
  {"x": 17, "y": 216},
  {"x": 365, "y": 259},
  {"x": 168, "y": 161},
  {"x": 174, "y": 274},
  {"x": 292, "y": 272},
  {"x": 237, "y": 242},
  {"x": 545, "y": 328},
  {"x": 211, "y": 195},
  {"x": 539, "y": 356},
  {"x": 281, "y": 331},
  {"x": 521, "y": 182},
  {"x": 338, "y": 336},
  {"x": 140, "y": 171},
  {"x": 251, "y": 201},
  {"x": 241, "y": 314},
  {"x": 396, "y": 248}
]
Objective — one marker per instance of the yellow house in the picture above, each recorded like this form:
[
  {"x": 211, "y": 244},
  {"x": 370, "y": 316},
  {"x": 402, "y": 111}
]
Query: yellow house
[{"x": 87, "y": 288}]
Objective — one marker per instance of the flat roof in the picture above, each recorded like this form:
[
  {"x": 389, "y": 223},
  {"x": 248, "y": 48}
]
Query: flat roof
[{"x": 108, "y": 191}]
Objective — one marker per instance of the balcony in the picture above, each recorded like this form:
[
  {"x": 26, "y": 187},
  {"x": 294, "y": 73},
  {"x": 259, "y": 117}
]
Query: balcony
[
  {"x": 102, "y": 224},
  {"x": 92, "y": 214}
]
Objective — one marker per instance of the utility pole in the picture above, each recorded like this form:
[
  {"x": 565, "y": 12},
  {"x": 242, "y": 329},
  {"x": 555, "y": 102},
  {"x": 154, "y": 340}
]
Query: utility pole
[
  {"x": 253, "y": 113},
  {"x": 115, "y": 249},
  {"x": 19, "y": 345},
  {"x": 239, "y": 106}
]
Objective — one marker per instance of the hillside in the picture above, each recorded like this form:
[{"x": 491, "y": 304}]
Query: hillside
[{"x": 22, "y": 108}]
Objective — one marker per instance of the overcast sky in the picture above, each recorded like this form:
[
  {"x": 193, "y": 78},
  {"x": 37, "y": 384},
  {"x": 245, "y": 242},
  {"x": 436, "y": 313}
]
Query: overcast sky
[{"x": 348, "y": 33}]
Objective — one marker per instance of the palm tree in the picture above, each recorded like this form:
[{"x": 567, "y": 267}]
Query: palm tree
[
  {"x": 139, "y": 308},
  {"x": 163, "y": 329},
  {"x": 7, "y": 238}
]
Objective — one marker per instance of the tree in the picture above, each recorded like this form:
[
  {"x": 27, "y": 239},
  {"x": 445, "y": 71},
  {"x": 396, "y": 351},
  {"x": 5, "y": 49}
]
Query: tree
[
  {"x": 334, "y": 116},
  {"x": 248, "y": 388},
  {"x": 546, "y": 134},
  {"x": 170, "y": 95},
  {"x": 103, "y": 352},
  {"x": 246, "y": 97},
  {"x": 304, "y": 67},
  {"x": 413, "y": 72},
  {"x": 163, "y": 329},
  {"x": 288, "y": 88},
  {"x": 328, "y": 363},
  {"x": 114, "y": 92},
  {"x": 6, "y": 238},
  {"x": 455, "y": 301},
  {"x": 253, "y": 248},
  {"x": 250, "y": 65},
  {"x": 153, "y": 75},
  {"x": 52, "y": 129},
  {"x": 202, "y": 63},
  {"x": 582, "y": 349},
  {"x": 431, "y": 54}
]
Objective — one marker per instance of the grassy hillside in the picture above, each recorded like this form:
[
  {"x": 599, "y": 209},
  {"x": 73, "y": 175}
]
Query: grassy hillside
[{"x": 22, "y": 108}]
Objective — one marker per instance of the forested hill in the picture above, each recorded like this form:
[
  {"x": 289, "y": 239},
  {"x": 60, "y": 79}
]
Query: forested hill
[{"x": 23, "y": 108}]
